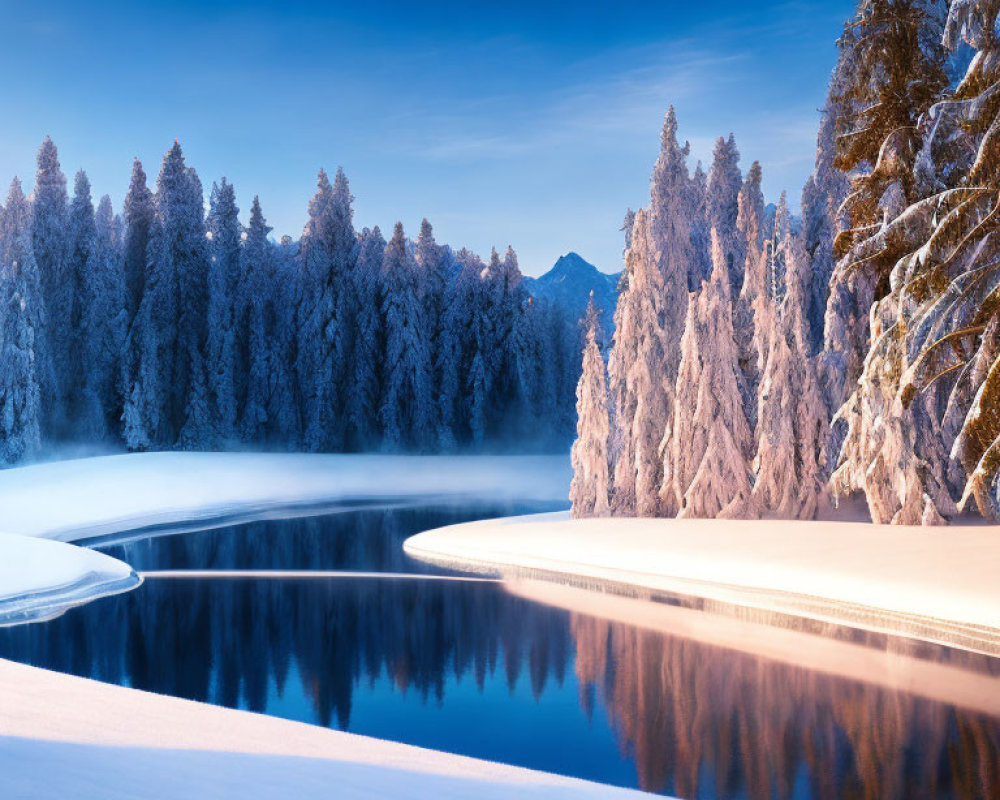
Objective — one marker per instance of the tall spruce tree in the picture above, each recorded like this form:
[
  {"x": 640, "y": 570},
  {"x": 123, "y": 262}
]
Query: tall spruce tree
[
  {"x": 224, "y": 234},
  {"x": 168, "y": 379},
  {"x": 49, "y": 217},
  {"x": 81, "y": 241},
  {"x": 20, "y": 301},
  {"x": 365, "y": 373},
  {"x": 722, "y": 207},
  {"x": 589, "y": 490},
  {"x": 721, "y": 483},
  {"x": 645, "y": 355},
  {"x": 327, "y": 254},
  {"x": 138, "y": 212},
  {"x": 405, "y": 412},
  {"x": 105, "y": 320}
]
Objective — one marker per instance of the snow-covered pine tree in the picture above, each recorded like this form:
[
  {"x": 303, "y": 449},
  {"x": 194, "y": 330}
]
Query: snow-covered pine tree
[
  {"x": 405, "y": 411},
  {"x": 721, "y": 485},
  {"x": 105, "y": 319},
  {"x": 138, "y": 211},
  {"x": 648, "y": 375},
  {"x": 701, "y": 245},
  {"x": 589, "y": 489},
  {"x": 644, "y": 359},
  {"x": 327, "y": 253},
  {"x": 894, "y": 449},
  {"x": 433, "y": 261},
  {"x": 509, "y": 384},
  {"x": 369, "y": 343},
  {"x": 256, "y": 359},
  {"x": 49, "y": 218},
  {"x": 788, "y": 467},
  {"x": 224, "y": 235},
  {"x": 722, "y": 207},
  {"x": 890, "y": 72},
  {"x": 80, "y": 239},
  {"x": 459, "y": 345},
  {"x": 168, "y": 334},
  {"x": 682, "y": 453},
  {"x": 824, "y": 192},
  {"x": 20, "y": 298},
  {"x": 749, "y": 227},
  {"x": 933, "y": 342}
]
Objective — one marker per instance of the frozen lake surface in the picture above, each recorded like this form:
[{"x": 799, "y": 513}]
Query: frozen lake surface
[{"x": 471, "y": 668}]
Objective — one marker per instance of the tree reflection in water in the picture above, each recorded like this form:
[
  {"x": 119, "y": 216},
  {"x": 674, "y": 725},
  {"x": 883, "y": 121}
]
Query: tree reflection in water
[{"x": 692, "y": 719}]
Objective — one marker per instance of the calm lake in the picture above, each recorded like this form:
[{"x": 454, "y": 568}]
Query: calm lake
[{"x": 470, "y": 668}]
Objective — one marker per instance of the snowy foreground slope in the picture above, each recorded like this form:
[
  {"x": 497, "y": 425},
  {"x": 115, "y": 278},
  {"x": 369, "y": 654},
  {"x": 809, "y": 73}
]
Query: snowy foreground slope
[
  {"x": 63, "y": 736},
  {"x": 937, "y": 584}
]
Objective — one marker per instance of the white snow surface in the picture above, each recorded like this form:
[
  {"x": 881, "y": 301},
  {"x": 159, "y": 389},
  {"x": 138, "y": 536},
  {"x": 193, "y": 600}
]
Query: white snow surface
[
  {"x": 80, "y": 498},
  {"x": 40, "y": 578},
  {"x": 940, "y": 581},
  {"x": 68, "y": 737}
]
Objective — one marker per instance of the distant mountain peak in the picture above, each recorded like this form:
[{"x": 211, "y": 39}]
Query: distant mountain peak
[{"x": 569, "y": 283}]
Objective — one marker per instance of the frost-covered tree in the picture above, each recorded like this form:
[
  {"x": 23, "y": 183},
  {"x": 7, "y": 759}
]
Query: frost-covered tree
[
  {"x": 649, "y": 319},
  {"x": 925, "y": 379},
  {"x": 459, "y": 344},
  {"x": 822, "y": 197},
  {"x": 433, "y": 261},
  {"x": 701, "y": 257},
  {"x": 105, "y": 320},
  {"x": 405, "y": 412},
  {"x": 327, "y": 253},
  {"x": 263, "y": 387},
  {"x": 791, "y": 433},
  {"x": 168, "y": 335},
  {"x": 508, "y": 379},
  {"x": 49, "y": 218},
  {"x": 19, "y": 302},
  {"x": 647, "y": 337},
  {"x": 81, "y": 241},
  {"x": 589, "y": 489},
  {"x": 719, "y": 433},
  {"x": 138, "y": 211},
  {"x": 224, "y": 234},
  {"x": 722, "y": 207},
  {"x": 748, "y": 307},
  {"x": 890, "y": 72},
  {"x": 369, "y": 343}
]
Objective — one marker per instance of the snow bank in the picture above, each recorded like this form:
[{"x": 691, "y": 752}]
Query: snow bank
[
  {"x": 62, "y": 736},
  {"x": 76, "y": 499},
  {"x": 41, "y": 579},
  {"x": 937, "y": 584},
  {"x": 86, "y": 497}
]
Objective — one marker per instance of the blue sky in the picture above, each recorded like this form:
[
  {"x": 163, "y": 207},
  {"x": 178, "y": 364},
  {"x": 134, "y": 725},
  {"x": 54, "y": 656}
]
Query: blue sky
[{"x": 525, "y": 123}]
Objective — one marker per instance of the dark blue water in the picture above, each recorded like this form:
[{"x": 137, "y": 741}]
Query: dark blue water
[{"x": 471, "y": 669}]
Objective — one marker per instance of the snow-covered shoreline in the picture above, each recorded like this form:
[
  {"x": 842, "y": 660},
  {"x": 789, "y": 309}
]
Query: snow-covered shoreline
[
  {"x": 76, "y": 499},
  {"x": 88, "y": 497},
  {"x": 59, "y": 732},
  {"x": 934, "y": 584}
]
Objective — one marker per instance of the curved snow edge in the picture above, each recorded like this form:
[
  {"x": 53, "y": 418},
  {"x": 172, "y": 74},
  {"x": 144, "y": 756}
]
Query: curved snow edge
[
  {"x": 41, "y": 579},
  {"x": 625, "y": 559}
]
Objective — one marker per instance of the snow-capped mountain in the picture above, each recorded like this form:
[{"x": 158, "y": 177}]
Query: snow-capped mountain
[{"x": 569, "y": 283}]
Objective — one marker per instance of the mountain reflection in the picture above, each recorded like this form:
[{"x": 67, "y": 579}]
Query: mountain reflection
[{"x": 475, "y": 669}]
